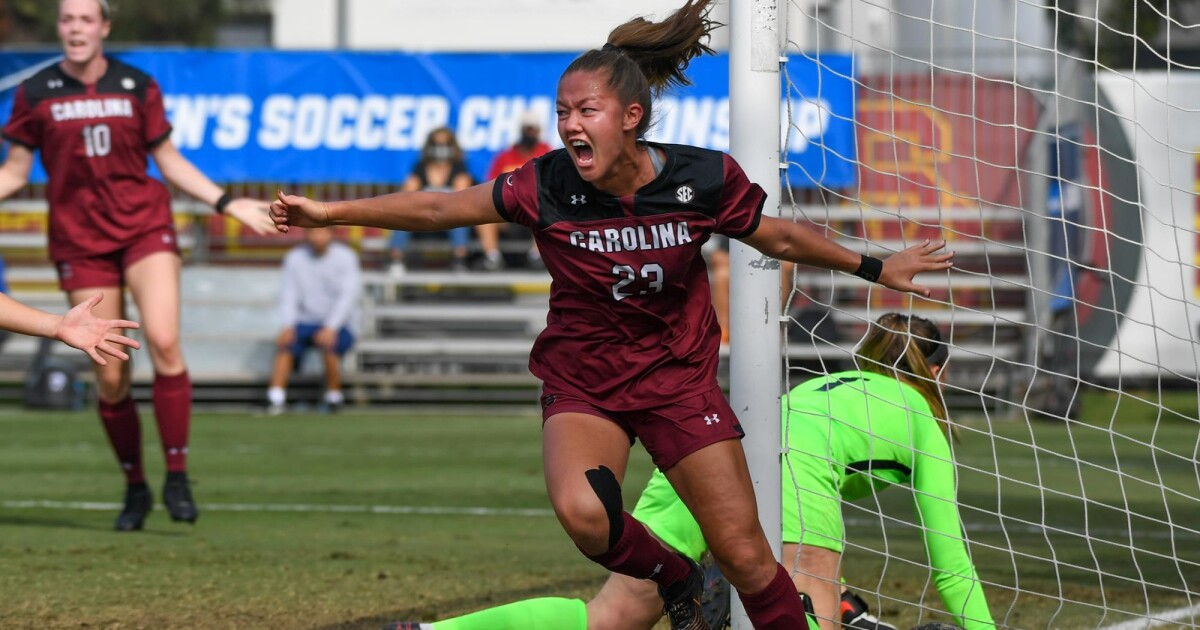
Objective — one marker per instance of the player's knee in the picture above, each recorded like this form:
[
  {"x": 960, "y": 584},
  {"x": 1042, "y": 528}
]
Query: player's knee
[
  {"x": 164, "y": 343},
  {"x": 112, "y": 385},
  {"x": 744, "y": 558},
  {"x": 593, "y": 520}
]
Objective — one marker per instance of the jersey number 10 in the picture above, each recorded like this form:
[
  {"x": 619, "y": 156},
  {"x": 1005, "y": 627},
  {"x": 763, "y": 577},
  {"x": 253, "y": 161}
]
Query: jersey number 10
[{"x": 97, "y": 140}]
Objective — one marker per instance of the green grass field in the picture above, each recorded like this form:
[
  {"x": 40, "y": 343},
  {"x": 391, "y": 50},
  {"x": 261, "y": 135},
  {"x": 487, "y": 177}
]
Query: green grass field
[{"x": 347, "y": 521}]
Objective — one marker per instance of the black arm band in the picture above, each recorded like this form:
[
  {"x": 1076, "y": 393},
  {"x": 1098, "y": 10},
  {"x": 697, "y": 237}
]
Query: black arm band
[
  {"x": 222, "y": 202},
  {"x": 869, "y": 269}
]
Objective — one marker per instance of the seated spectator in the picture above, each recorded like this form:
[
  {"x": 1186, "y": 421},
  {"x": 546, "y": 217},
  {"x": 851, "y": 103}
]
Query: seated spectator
[
  {"x": 318, "y": 303},
  {"x": 529, "y": 145},
  {"x": 442, "y": 168}
]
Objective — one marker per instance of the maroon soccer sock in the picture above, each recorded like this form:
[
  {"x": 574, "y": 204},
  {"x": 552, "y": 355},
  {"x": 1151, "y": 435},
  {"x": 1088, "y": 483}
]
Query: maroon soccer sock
[
  {"x": 637, "y": 554},
  {"x": 124, "y": 431},
  {"x": 173, "y": 413},
  {"x": 777, "y": 606}
]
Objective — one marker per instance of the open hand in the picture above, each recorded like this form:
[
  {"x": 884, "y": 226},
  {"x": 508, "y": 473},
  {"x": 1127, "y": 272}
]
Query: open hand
[
  {"x": 900, "y": 268},
  {"x": 80, "y": 329},
  {"x": 251, "y": 213}
]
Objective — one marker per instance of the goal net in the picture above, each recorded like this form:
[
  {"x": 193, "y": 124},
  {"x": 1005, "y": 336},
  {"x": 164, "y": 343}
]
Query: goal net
[{"x": 1053, "y": 145}]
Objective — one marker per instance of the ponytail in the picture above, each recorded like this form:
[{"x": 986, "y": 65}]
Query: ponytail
[
  {"x": 905, "y": 348},
  {"x": 643, "y": 58}
]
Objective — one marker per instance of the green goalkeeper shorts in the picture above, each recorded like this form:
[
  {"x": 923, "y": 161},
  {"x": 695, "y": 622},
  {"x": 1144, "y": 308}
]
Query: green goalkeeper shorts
[{"x": 665, "y": 515}]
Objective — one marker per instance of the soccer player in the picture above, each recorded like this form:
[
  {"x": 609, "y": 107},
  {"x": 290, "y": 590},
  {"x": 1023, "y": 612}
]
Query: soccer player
[
  {"x": 96, "y": 120},
  {"x": 78, "y": 328},
  {"x": 630, "y": 348},
  {"x": 847, "y": 435}
]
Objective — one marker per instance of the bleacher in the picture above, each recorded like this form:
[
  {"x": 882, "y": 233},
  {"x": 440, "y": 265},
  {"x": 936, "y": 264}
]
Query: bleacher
[{"x": 437, "y": 335}]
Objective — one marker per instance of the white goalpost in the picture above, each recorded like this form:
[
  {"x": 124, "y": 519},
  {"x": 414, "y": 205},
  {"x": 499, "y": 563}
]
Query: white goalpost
[
  {"x": 1055, "y": 144},
  {"x": 754, "y": 367}
]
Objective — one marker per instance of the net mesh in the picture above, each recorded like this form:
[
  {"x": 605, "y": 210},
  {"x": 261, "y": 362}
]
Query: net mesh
[{"x": 1054, "y": 147}]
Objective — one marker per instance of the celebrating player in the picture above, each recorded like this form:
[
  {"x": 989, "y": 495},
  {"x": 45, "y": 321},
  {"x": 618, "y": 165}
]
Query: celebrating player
[
  {"x": 95, "y": 121},
  {"x": 847, "y": 434},
  {"x": 631, "y": 345}
]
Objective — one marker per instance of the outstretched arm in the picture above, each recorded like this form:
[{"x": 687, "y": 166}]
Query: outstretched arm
[
  {"x": 78, "y": 328},
  {"x": 409, "y": 211},
  {"x": 793, "y": 242},
  {"x": 180, "y": 172}
]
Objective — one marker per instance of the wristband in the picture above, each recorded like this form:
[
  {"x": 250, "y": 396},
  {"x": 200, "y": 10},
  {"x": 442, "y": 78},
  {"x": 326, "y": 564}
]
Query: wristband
[
  {"x": 219, "y": 206},
  {"x": 869, "y": 269}
]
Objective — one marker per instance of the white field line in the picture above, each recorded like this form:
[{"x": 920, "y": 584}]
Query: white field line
[
  {"x": 312, "y": 508},
  {"x": 1170, "y": 616},
  {"x": 293, "y": 507}
]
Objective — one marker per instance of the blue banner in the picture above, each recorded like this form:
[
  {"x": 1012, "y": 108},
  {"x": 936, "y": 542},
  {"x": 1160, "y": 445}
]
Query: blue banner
[{"x": 361, "y": 117}]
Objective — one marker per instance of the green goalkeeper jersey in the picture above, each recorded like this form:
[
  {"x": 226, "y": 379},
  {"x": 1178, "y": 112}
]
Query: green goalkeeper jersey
[{"x": 849, "y": 435}]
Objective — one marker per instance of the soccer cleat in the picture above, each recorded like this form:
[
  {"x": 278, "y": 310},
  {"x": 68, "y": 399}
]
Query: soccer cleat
[
  {"x": 138, "y": 502},
  {"x": 715, "y": 601},
  {"x": 177, "y": 496},
  {"x": 408, "y": 625},
  {"x": 681, "y": 600},
  {"x": 856, "y": 614}
]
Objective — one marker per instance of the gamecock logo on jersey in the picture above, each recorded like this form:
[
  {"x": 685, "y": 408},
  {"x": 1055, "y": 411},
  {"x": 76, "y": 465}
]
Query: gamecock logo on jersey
[{"x": 684, "y": 194}]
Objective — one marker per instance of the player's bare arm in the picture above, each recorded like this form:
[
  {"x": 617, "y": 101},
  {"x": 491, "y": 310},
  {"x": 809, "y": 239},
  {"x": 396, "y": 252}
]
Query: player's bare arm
[
  {"x": 79, "y": 328},
  {"x": 416, "y": 211},
  {"x": 180, "y": 172},
  {"x": 793, "y": 242},
  {"x": 15, "y": 172}
]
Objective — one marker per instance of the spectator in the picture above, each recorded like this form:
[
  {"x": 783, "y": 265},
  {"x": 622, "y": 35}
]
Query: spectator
[
  {"x": 318, "y": 303},
  {"x": 529, "y": 145},
  {"x": 442, "y": 168}
]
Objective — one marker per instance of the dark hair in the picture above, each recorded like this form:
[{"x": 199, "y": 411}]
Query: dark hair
[
  {"x": 643, "y": 58},
  {"x": 427, "y": 157},
  {"x": 905, "y": 347}
]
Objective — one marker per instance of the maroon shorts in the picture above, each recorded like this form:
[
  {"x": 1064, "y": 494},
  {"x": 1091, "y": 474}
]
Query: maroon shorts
[
  {"x": 670, "y": 432},
  {"x": 108, "y": 270}
]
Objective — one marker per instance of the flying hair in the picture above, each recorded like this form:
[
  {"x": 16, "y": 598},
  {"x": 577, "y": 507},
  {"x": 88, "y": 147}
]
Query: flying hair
[
  {"x": 644, "y": 58},
  {"x": 906, "y": 347}
]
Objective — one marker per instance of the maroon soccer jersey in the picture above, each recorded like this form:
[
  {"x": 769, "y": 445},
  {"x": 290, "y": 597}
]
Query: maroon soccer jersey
[
  {"x": 631, "y": 322},
  {"x": 94, "y": 142}
]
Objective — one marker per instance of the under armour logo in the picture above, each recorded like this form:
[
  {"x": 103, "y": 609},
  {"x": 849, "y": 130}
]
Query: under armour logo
[
  {"x": 685, "y": 194},
  {"x": 577, "y": 200},
  {"x": 166, "y": 239},
  {"x": 54, "y": 83},
  {"x": 711, "y": 420},
  {"x": 128, "y": 83},
  {"x": 548, "y": 400}
]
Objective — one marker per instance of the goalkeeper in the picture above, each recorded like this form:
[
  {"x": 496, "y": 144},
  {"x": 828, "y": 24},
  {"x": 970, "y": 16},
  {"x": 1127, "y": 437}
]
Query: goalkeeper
[{"x": 849, "y": 434}]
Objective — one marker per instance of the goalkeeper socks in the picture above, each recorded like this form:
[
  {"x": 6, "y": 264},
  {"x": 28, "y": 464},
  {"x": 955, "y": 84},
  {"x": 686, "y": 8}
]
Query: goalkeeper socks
[
  {"x": 173, "y": 413},
  {"x": 777, "y": 606},
  {"x": 545, "y": 612},
  {"x": 638, "y": 554},
  {"x": 124, "y": 431}
]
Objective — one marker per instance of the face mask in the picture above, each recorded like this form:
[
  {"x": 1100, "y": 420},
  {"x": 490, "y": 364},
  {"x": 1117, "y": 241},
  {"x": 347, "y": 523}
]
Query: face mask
[
  {"x": 443, "y": 152},
  {"x": 528, "y": 140}
]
